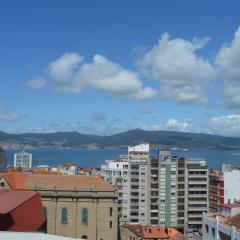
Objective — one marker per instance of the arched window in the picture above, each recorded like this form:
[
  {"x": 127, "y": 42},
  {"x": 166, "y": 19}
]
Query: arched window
[
  {"x": 84, "y": 237},
  {"x": 64, "y": 216},
  {"x": 84, "y": 216}
]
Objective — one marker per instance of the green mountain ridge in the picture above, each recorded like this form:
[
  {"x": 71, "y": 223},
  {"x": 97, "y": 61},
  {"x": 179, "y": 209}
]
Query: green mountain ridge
[{"x": 164, "y": 138}]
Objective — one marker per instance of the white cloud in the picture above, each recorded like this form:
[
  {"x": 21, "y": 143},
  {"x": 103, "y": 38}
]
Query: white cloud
[
  {"x": 70, "y": 74},
  {"x": 175, "y": 125},
  {"x": 228, "y": 125},
  {"x": 182, "y": 73},
  {"x": 228, "y": 59},
  {"x": 171, "y": 125},
  {"x": 7, "y": 115},
  {"x": 37, "y": 83}
]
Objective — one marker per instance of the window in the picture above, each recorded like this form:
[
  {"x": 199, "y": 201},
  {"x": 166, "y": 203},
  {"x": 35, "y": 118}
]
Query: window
[
  {"x": 2, "y": 184},
  {"x": 85, "y": 216},
  {"x": 110, "y": 224},
  {"x": 110, "y": 211},
  {"x": 45, "y": 212},
  {"x": 206, "y": 228},
  {"x": 64, "y": 216},
  {"x": 213, "y": 232}
]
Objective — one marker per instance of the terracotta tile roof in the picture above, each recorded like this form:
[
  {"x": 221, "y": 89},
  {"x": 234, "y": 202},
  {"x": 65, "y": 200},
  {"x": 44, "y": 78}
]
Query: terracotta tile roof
[
  {"x": 15, "y": 179},
  {"x": 233, "y": 221},
  {"x": 231, "y": 205},
  {"x": 56, "y": 182},
  {"x": 154, "y": 232},
  {"x": 10, "y": 199},
  {"x": 216, "y": 174}
]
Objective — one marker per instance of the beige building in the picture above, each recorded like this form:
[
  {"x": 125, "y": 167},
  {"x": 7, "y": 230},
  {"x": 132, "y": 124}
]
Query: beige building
[{"x": 76, "y": 206}]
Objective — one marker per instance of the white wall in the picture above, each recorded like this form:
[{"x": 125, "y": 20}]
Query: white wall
[{"x": 231, "y": 185}]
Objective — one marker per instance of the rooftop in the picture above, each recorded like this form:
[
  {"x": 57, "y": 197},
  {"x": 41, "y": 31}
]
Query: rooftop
[
  {"x": 216, "y": 174},
  {"x": 154, "y": 232},
  {"x": 231, "y": 205},
  {"x": 11, "y": 199},
  {"x": 56, "y": 182}
]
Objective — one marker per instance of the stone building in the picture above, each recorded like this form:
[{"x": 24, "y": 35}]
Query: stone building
[{"x": 75, "y": 206}]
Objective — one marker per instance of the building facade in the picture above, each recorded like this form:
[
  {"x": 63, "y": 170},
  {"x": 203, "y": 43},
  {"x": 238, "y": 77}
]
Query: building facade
[
  {"x": 3, "y": 161},
  {"x": 161, "y": 190},
  {"x": 23, "y": 160},
  {"x": 222, "y": 226},
  {"x": 216, "y": 191},
  {"x": 75, "y": 206},
  {"x": 222, "y": 187}
]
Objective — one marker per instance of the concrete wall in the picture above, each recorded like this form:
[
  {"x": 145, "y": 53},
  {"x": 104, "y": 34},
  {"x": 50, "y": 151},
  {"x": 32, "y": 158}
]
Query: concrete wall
[{"x": 231, "y": 185}]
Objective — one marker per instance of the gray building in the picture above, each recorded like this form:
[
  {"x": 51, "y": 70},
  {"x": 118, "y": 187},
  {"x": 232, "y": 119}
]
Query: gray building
[{"x": 3, "y": 161}]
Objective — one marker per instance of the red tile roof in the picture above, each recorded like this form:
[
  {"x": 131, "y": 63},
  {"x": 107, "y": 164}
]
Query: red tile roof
[
  {"x": 154, "y": 232},
  {"x": 10, "y": 199},
  {"x": 56, "y": 182},
  {"x": 20, "y": 210}
]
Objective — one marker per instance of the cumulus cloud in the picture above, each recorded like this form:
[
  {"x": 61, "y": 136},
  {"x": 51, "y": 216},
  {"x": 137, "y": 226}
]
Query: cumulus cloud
[
  {"x": 7, "y": 115},
  {"x": 71, "y": 74},
  {"x": 227, "y": 125},
  {"x": 171, "y": 125},
  {"x": 175, "y": 125},
  {"x": 37, "y": 83},
  {"x": 182, "y": 73},
  {"x": 228, "y": 60}
]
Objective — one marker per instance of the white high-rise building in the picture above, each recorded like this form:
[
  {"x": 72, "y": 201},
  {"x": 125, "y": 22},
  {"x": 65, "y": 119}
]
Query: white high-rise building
[
  {"x": 116, "y": 173},
  {"x": 23, "y": 160},
  {"x": 161, "y": 190}
]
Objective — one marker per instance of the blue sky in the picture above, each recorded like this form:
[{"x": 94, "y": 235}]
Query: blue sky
[{"x": 103, "y": 67}]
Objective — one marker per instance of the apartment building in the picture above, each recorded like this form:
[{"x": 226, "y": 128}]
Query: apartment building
[
  {"x": 3, "y": 161},
  {"x": 216, "y": 191},
  {"x": 196, "y": 192},
  {"x": 222, "y": 187},
  {"x": 139, "y": 182},
  {"x": 116, "y": 173},
  {"x": 160, "y": 190},
  {"x": 23, "y": 160}
]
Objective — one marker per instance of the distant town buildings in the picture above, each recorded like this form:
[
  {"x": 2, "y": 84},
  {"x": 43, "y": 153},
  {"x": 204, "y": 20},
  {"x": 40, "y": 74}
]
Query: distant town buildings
[
  {"x": 23, "y": 160},
  {"x": 224, "y": 187},
  {"x": 159, "y": 190},
  {"x": 3, "y": 161},
  {"x": 77, "y": 206}
]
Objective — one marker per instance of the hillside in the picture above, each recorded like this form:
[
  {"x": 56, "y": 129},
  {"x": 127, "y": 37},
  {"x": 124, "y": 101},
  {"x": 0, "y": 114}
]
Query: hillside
[{"x": 165, "y": 138}]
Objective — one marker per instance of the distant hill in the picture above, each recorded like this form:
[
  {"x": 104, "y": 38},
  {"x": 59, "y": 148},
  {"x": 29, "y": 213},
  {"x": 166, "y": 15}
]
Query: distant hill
[{"x": 165, "y": 138}]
